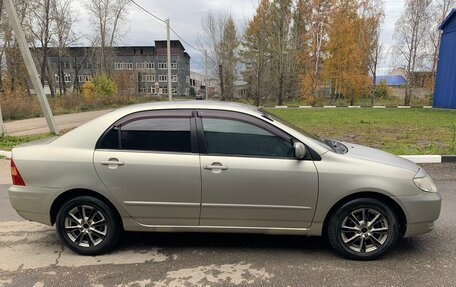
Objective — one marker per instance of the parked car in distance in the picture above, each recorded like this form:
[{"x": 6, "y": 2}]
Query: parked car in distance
[{"x": 204, "y": 166}]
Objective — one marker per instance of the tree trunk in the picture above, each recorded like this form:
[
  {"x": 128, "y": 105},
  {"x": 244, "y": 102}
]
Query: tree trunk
[
  {"x": 280, "y": 96},
  {"x": 50, "y": 81},
  {"x": 222, "y": 84}
]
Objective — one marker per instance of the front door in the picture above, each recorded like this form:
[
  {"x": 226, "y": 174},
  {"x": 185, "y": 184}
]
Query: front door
[
  {"x": 250, "y": 177},
  {"x": 149, "y": 162}
]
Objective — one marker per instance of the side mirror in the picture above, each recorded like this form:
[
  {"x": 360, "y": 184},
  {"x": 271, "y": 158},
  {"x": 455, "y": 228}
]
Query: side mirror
[{"x": 300, "y": 150}]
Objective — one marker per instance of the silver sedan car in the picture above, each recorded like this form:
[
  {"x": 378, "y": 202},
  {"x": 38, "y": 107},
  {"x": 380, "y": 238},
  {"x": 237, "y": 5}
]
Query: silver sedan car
[{"x": 217, "y": 167}]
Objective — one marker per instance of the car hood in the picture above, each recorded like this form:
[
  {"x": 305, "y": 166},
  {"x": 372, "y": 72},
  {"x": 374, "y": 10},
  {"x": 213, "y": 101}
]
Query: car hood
[{"x": 371, "y": 154}]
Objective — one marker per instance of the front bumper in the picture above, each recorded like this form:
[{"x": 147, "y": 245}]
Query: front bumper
[
  {"x": 421, "y": 212},
  {"x": 33, "y": 203}
]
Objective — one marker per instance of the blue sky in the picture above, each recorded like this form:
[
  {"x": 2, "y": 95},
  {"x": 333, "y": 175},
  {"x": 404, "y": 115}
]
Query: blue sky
[{"x": 186, "y": 18}]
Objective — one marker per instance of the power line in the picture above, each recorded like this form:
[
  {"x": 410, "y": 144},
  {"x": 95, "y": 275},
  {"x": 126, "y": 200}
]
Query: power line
[
  {"x": 147, "y": 12},
  {"x": 164, "y": 21},
  {"x": 183, "y": 40}
]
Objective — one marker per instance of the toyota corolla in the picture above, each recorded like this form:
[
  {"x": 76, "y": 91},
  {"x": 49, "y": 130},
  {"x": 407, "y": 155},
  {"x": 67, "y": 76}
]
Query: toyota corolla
[{"x": 218, "y": 167}]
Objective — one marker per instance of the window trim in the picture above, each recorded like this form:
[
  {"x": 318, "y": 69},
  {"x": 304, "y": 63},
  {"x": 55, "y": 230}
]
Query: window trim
[{"x": 173, "y": 113}]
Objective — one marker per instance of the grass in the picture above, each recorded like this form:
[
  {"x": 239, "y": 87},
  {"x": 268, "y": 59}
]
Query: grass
[
  {"x": 8, "y": 142},
  {"x": 398, "y": 131},
  {"x": 402, "y": 132}
]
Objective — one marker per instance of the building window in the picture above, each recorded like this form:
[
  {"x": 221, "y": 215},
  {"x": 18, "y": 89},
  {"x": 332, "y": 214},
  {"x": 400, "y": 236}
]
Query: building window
[
  {"x": 140, "y": 65},
  {"x": 162, "y": 65},
  {"x": 67, "y": 78},
  {"x": 163, "y": 90},
  {"x": 174, "y": 78},
  {"x": 174, "y": 65},
  {"x": 143, "y": 90},
  {"x": 153, "y": 90},
  {"x": 118, "y": 66},
  {"x": 87, "y": 78},
  {"x": 147, "y": 78},
  {"x": 57, "y": 78},
  {"x": 174, "y": 91},
  {"x": 150, "y": 65},
  {"x": 162, "y": 78},
  {"x": 128, "y": 66},
  {"x": 80, "y": 78}
]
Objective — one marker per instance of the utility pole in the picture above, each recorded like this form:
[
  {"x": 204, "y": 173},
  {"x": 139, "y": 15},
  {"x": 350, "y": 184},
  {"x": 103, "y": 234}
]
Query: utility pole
[
  {"x": 168, "y": 41},
  {"x": 206, "y": 80},
  {"x": 30, "y": 64}
]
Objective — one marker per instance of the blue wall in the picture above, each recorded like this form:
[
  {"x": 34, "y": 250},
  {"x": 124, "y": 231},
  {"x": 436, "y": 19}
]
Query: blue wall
[{"x": 445, "y": 83}]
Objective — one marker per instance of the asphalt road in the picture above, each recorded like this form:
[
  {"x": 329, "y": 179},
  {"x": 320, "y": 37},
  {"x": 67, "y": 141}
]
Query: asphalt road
[
  {"x": 39, "y": 125},
  {"x": 32, "y": 255}
]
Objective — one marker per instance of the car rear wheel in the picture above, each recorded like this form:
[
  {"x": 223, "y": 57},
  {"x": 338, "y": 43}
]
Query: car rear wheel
[
  {"x": 363, "y": 229},
  {"x": 87, "y": 225}
]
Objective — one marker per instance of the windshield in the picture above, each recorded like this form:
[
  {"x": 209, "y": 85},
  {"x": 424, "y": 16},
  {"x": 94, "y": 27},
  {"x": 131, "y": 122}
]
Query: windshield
[{"x": 317, "y": 139}]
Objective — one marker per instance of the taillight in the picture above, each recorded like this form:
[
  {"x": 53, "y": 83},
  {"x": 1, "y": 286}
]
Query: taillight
[{"x": 15, "y": 175}]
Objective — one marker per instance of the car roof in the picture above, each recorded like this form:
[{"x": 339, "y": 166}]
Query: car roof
[{"x": 195, "y": 104}]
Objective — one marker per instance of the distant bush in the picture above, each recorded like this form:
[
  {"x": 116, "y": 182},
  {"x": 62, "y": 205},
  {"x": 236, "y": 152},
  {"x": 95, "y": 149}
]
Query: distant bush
[
  {"x": 105, "y": 88},
  {"x": 192, "y": 92},
  {"x": 88, "y": 91},
  {"x": 381, "y": 91}
]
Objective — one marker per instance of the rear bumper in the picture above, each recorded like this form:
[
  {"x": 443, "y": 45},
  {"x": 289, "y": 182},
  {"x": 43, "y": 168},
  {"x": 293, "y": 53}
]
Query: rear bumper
[
  {"x": 33, "y": 203},
  {"x": 421, "y": 212}
]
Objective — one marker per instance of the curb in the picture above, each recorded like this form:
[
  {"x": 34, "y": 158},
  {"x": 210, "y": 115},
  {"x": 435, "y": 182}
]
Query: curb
[
  {"x": 414, "y": 158},
  {"x": 350, "y": 107},
  {"x": 6, "y": 154}
]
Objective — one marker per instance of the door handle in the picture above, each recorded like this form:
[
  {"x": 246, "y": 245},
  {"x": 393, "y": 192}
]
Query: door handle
[
  {"x": 112, "y": 162},
  {"x": 219, "y": 167}
]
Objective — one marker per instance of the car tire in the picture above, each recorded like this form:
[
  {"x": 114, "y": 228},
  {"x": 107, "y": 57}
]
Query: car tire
[
  {"x": 363, "y": 229},
  {"x": 88, "y": 226}
]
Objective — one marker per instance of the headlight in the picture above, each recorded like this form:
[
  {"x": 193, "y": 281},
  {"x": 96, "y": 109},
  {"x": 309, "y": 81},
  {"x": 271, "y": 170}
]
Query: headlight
[{"x": 425, "y": 184}]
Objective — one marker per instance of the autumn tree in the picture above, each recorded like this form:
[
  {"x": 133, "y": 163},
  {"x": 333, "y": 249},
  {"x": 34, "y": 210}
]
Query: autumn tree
[
  {"x": 411, "y": 36},
  {"x": 345, "y": 65}
]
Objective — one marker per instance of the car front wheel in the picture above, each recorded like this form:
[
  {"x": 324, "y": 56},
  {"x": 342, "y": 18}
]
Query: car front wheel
[
  {"x": 87, "y": 225},
  {"x": 363, "y": 229}
]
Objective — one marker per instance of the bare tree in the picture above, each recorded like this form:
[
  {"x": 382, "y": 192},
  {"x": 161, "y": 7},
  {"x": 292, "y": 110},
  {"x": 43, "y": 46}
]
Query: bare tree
[
  {"x": 220, "y": 39},
  {"x": 410, "y": 39},
  {"x": 40, "y": 24},
  {"x": 107, "y": 16},
  {"x": 372, "y": 15},
  {"x": 15, "y": 73},
  {"x": 64, "y": 35}
]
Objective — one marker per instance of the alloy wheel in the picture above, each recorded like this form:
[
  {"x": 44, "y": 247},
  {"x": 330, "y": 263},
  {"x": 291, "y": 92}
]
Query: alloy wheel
[
  {"x": 364, "y": 230},
  {"x": 86, "y": 225}
]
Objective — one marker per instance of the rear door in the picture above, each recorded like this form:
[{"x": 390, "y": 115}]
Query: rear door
[
  {"x": 150, "y": 162},
  {"x": 250, "y": 177}
]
